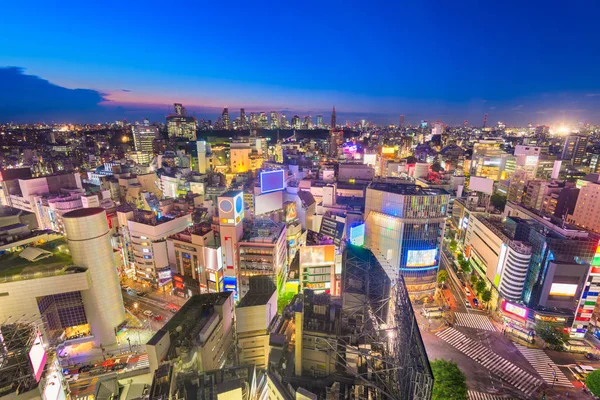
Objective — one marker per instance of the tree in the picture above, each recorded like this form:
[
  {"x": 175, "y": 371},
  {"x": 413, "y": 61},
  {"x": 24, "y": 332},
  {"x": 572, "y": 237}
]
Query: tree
[
  {"x": 486, "y": 295},
  {"x": 592, "y": 382},
  {"x": 442, "y": 276},
  {"x": 480, "y": 286},
  {"x": 465, "y": 266},
  {"x": 460, "y": 257},
  {"x": 473, "y": 279},
  {"x": 551, "y": 334},
  {"x": 498, "y": 201},
  {"x": 453, "y": 245},
  {"x": 449, "y": 382}
]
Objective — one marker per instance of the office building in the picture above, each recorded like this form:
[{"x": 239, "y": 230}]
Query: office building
[
  {"x": 262, "y": 251},
  {"x": 180, "y": 125},
  {"x": 317, "y": 269},
  {"x": 274, "y": 120},
  {"x": 487, "y": 159},
  {"x": 143, "y": 140},
  {"x": 319, "y": 121},
  {"x": 296, "y": 122},
  {"x": 243, "y": 119},
  {"x": 145, "y": 234},
  {"x": 587, "y": 209},
  {"x": 402, "y": 121},
  {"x": 225, "y": 118},
  {"x": 574, "y": 149},
  {"x": 404, "y": 225}
]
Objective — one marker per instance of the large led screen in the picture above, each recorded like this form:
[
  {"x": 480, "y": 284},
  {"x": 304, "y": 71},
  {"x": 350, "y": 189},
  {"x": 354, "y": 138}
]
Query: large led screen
[
  {"x": 357, "y": 235},
  {"x": 271, "y": 181},
  {"x": 37, "y": 357},
  {"x": 563, "y": 289},
  {"x": 317, "y": 255},
  {"x": 421, "y": 258}
]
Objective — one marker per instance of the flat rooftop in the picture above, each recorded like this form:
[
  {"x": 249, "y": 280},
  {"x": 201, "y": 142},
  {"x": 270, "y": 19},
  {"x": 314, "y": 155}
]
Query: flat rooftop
[
  {"x": 18, "y": 268},
  {"x": 263, "y": 231},
  {"x": 407, "y": 189}
]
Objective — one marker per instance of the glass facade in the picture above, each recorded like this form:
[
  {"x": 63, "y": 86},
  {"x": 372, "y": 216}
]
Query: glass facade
[{"x": 61, "y": 311}]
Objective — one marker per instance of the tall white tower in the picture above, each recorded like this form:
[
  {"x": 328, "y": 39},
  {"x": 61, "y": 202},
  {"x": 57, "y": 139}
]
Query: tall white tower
[
  {"x": 89, "y": 243},
  {"x": 231, "y": 229}
]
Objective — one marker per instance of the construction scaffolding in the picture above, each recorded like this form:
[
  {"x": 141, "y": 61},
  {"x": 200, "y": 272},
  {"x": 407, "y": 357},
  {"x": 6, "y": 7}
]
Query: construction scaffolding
[
  {"x": 379, "y": 342},
  {"x": 16, "y": 371}
]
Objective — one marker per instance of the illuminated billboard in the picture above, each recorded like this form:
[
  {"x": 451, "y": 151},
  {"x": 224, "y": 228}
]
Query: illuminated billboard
[
  {"x": 290, "y": 211},
  {"x": 514, "y": 309},
  {"x": 357, "y": 235},
  {"x": 421, "y": 258},
  {"x": 272, "y": 181},
  {"x": 37, "y": 357},
  {"x": 388, "y": 150},
  {"x": 317, "y": 255},
  {"x": 563, "y": 289}
]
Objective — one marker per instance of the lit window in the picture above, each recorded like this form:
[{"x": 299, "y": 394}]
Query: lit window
[{"x": 145, "y": 250}]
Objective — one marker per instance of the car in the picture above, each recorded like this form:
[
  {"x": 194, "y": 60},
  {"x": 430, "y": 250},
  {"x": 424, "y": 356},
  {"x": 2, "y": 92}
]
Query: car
[
  {"x": 591, "y": 356},
  {"x": 467, "y": 304},
  {"x": 476, "y": 302},
  {"x": 72, "y": 378},
  {"x": 148, "y": 313},
  {"x": 157, "y": 317},
  {"x": 173, "y": 309},
  {"x": 118, "y": 367},
  {"x": 467, "y": 291},
  {"x": 131, "y": 291},
  {"x": 140, "y": 293}
]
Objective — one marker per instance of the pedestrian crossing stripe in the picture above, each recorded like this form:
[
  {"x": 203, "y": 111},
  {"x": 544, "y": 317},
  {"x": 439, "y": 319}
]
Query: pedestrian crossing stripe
[
  {"x": 473, "y": 395},
  {"x": 500, "y": 366},
  {"x": 475, "y": 321},
  {"x": 544, "y": 366}
]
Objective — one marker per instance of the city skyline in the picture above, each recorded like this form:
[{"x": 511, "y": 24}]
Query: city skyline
[{"x": 452, "y": 64}]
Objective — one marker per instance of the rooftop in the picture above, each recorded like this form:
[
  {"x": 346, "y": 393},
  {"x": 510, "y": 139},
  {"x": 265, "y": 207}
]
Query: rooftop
[
  {"x": 263, "y": 231},
  {"x": 14, "y": 267},
  {"x": 406, "y": 189}
]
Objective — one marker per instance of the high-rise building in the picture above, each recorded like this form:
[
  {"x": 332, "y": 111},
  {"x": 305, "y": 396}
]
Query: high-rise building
[
  {"x": 587, "y": 213},
  {"x": 274, "y": 120},
  {"x": 143, "y": 140},
  {"x": 263, "y": 121},
  {"x": 402, "y": 121},
  {"x": 574, "y": 149},
  {"x": 333, "y": 119},
  {"x": 405, "y": 224},
  {"x": 307, "y": 124},
  {"x": 296, "y": 122},
  {"x": 225, "y": 118},
  {"x": 284, "y": 124},
  {"x": 319, "y": 121},
  {"x": 179, "y": 125},
  {"x": 90, "y": 246},
  {"x": 243, "y": 121}
]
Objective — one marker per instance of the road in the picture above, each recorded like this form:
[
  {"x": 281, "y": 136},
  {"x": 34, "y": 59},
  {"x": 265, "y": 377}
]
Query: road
[
  {"x": 492, "y": 363},
  {"x": 145, "y": 303}
]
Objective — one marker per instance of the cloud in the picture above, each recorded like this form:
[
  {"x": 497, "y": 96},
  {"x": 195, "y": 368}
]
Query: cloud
[
  {"x": 126, "y": 90},
  {"x": 592, "y": 95},
  {"x": 27, "y": 98}
]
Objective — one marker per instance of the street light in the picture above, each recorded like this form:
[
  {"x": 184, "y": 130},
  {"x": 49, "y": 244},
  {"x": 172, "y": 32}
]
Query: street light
[{"x": 135, "y": 305}]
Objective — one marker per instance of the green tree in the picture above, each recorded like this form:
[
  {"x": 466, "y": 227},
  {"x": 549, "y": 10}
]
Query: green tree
[
  {"x": 453, "y": 245},
  {"x": 498, "y": 201},
  {"x": 449, "y": 382},
  {"x": 480, "y": 286},
  {"x": 593, "y": 382},
  {"x": 551, "y": 334},
  {"x": 486, "y": 296},
  {"x": 465, "y": 266},
  {"x": 473, "y": 279},
  {"x": 442, "y": 276},
  {"x": 460, "y": 257}
]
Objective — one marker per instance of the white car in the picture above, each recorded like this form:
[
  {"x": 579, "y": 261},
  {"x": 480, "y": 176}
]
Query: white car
[
  {"x": 467, "y": 292},
  {"x": 148, "y": 313}
]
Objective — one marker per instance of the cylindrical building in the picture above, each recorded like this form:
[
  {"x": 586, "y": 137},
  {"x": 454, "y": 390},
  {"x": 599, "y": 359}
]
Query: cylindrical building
[
  {"x": 89, "y": 243},
  {"x": 514, "y": 270}
]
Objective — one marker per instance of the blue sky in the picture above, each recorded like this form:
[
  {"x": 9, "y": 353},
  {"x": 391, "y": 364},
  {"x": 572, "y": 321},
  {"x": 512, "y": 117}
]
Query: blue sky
[{"x": 435, "y": 60}]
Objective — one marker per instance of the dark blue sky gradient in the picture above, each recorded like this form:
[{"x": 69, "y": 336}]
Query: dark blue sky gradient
[{"x": 517, "y": 61}]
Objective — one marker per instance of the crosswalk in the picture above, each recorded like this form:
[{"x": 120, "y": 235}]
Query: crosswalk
[
  {"x": 544, "y": 366},
  {"x": 505, "y": 369},
  {"x": 475, "y": 321},
  {"x": 473, "y": 395}
]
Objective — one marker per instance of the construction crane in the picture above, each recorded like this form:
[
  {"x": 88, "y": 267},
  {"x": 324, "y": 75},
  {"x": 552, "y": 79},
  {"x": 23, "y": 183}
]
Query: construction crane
[{"x": 484, "y": 120}]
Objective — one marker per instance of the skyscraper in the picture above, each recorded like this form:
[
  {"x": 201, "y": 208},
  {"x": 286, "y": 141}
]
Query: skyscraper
[
  {"x": 319, "y": 121},
  {"x": 243, "y": 121},
  {"x": 225, "y": 118},
  {"x": 179, "y": 125},
  {"x": 296, "y": 122},
  {"x": 333, "y": 119},
  {"x": 402, "y": 121},
  {"x": 263, "y": 121},
  {"x": 143, "y": 139},
  {"x": 574, "y": 149},
  {"x": 274, "y": 120}
]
